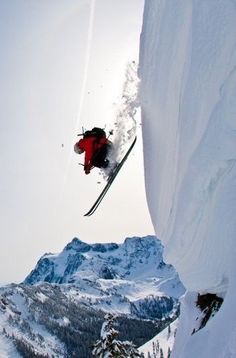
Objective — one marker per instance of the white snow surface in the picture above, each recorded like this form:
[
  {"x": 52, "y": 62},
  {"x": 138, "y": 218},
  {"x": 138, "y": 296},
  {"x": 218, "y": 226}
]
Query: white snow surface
[
  {"x": 187, "y": 95},
  {"x": 7, "y": 349},
  {"x": 15, "y": 313},
  {"x": 164, "y": 340}
]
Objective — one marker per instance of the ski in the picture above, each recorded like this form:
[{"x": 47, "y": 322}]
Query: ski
[{"x": 110, "y": 180}]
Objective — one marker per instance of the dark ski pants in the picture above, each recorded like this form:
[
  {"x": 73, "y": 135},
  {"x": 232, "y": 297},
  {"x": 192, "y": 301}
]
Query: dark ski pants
[{"x": 100, "y": 157}]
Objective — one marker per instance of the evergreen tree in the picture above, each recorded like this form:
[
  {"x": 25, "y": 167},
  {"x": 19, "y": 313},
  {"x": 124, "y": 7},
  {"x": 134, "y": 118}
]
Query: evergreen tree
[
  {"x": 156, "y": 348},
  {"x": 109, "y": 346},
  {"x": 169, "y": 352},
  {"x": 169, "y": 332},
  {"x": 161, "y": 353}
]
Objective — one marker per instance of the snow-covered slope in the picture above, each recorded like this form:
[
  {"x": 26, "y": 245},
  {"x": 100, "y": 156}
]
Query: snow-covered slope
[
  {"x": 161, "y": 345},
  {"x": 188, "y": 90},
  {"x": 7, "y": 348},
  {"x": 47, "y": 320},
  {"x": 22, "y": 330},
  {"x": 129, "y": 278}
]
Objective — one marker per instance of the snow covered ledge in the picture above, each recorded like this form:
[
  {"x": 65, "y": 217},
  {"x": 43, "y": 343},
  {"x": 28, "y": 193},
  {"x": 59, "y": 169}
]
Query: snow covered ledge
[{"x": 188, "y": 98}]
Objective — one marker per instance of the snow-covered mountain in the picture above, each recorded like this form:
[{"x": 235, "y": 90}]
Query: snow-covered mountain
[
  {"x": 59, "y": 309},
  {"x": 46, "y": 321},
  {"x": 187, "y": 93},
  {"x": 129, "y": 278}
]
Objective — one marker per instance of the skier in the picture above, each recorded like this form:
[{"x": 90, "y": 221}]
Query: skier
[{"x": 96, "y": 147}]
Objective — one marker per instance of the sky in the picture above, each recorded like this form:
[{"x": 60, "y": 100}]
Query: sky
[{"x": 62, "y": 67}]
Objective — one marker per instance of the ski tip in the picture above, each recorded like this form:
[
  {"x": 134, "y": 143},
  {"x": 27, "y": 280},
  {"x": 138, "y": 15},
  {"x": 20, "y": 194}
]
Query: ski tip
[
  {"x": 87, "y": 214},
  {"x": 90, "y": 212}
]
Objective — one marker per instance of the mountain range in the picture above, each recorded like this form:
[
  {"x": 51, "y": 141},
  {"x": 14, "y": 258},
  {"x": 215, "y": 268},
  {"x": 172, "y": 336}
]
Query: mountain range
[
  {"x": 59, "y": 308},
  {"x": 128, "y": 277}
]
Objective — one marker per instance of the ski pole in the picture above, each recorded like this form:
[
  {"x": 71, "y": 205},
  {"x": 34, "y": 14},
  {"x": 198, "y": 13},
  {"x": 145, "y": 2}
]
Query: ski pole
[{"x": 110, "y": 133}]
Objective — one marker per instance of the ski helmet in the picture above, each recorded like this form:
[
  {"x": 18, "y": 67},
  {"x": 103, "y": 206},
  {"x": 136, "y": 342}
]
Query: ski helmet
[{"x": 77, "y": 149}]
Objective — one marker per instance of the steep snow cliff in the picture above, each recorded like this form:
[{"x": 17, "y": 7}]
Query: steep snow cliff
[{"x": 188, "y": 88}]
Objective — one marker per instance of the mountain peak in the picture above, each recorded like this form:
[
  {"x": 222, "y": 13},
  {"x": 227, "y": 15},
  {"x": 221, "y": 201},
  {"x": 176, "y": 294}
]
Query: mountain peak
[
  {"x": 146, "y": 241},
  {"x": 77, "y": 245}
]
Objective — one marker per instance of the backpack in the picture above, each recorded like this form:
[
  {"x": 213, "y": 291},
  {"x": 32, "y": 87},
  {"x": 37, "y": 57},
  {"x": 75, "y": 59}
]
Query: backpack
[{"x": 97, "y": 132}]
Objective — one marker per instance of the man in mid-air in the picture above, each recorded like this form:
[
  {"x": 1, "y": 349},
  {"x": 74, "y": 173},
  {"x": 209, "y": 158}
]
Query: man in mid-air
[{"x": 96, "y": 147}]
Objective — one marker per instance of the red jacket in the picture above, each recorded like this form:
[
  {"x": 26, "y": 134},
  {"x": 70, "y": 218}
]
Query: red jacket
[{"x": 90, "y": 145}]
